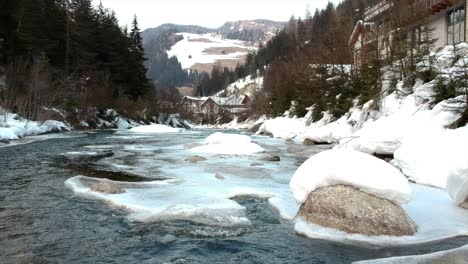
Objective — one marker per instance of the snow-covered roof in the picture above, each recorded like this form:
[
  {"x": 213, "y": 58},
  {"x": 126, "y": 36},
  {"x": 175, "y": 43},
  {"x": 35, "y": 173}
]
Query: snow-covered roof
[{"x": 228, "y": 101}]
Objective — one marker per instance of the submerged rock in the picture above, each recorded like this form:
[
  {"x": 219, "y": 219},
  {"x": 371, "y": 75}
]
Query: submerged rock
[
  {"x": 255, "y": 128},
  {"x": 271, "y": 158},
  {"x": 256, "y": 164},
  {"x": 219, "y": 176},
  {"x": 195, "y": 159},
  {"x": 350, "y": 210},
  {"x": 106, "y": 186},
  {"x": 465, "y": 204}
]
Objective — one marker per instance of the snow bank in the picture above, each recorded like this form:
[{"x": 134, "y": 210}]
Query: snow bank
[
  {"x": 228, "y": 144},
  {"x": 283, "y": 127},
  {"x": 400, "y": 118},
  {"x": 353, "y": 168},
  {"x": 156, "y": 128},
  {"x": 16, "y": 127},
  {"x": 434, "y": 156},
  {"x": 325, "y": 131}
]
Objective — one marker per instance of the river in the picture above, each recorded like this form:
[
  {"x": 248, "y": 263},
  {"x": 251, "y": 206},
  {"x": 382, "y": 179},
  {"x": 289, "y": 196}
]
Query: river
[{"x": 41, "y": 221}]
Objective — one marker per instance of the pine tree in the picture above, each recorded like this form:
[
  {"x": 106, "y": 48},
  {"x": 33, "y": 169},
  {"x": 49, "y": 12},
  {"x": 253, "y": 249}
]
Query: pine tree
[{"x": 139, "y": 84}]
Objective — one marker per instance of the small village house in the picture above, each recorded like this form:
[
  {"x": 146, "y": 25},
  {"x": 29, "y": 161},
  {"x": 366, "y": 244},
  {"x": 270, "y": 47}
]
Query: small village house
[{"x": 213, "y": 104}]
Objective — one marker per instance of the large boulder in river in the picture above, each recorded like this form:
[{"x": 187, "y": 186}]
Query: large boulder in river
[
  {"x": 348, "y": 209},
  {"x": 107, "y": 186},
  {"x": 353, "y": 192}
]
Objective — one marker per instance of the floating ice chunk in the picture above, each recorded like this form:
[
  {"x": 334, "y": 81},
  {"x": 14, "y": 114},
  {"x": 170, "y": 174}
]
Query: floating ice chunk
[
  {"x": 353, "y": 168},
  {"x": 223, "y": 138},
  {"x": 156, "y": 128},
  {"x": 80, "y": 153},
  {"x": 431, "y": 157},
  {"x": 457, "y": 255},
  {"x": 166, "y": 200},
  {"x": 228, "y": 144}
]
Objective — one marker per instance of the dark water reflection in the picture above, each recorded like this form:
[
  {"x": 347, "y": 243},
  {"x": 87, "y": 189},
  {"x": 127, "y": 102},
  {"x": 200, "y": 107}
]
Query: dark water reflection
[{"x": 42, "y": 222}]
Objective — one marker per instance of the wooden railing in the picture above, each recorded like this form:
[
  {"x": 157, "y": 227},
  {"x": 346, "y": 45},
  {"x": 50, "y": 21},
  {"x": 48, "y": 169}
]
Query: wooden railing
[{"x": 421, "y": 9}]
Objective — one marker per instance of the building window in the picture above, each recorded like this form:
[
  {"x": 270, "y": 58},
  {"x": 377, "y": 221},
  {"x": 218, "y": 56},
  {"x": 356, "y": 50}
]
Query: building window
[{"x": 456, "y": 26}]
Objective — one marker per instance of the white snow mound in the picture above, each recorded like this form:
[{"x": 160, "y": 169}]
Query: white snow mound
[
  {"x": 228, "y": 144},
  {"x": 349, "y": 167},
  {"x": 156, "y": 128},
  {"x": 434, "y": 156}
]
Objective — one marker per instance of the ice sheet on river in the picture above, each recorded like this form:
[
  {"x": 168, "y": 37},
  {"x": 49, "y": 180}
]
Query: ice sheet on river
[{"x": 202, "y": 192}]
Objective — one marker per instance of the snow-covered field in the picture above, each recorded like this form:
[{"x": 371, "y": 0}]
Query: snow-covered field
[{"x": 208, "y": 49}]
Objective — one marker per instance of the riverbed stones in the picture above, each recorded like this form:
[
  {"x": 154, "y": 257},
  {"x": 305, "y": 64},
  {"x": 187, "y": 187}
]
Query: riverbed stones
[
  {"x": 195, "y": 159},
  {"x": 107, "y": 186},
  {"x": 350, "y": 210}
]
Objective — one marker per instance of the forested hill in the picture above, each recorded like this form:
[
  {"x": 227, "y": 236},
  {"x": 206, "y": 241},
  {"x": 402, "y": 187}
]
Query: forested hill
[
  {"x": 167, "y": 73},
  {"x": 69, "y": 54}
]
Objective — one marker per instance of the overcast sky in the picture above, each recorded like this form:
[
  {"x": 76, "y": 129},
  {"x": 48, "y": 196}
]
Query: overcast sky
[{"x": 208, "y": 13}]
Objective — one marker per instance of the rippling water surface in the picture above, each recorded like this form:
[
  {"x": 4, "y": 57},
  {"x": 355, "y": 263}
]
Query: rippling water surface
[{"x": 43, "y": 222}]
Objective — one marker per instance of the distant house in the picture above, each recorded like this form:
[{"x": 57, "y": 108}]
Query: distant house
[
  {"x": 193, "y": 104},
  {"x": 215, "y": 104},
  {"x": 447, "y": 18}
]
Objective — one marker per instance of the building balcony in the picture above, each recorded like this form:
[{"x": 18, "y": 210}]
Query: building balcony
[{"x": 422, "y": 9}]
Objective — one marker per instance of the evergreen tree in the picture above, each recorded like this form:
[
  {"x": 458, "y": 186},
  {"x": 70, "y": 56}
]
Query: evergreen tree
[{"x": 139, "y": 82}]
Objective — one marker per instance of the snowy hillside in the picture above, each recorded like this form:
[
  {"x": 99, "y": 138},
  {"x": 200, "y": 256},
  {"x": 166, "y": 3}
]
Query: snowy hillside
[
  {"x": 201, "y": 51},
  {"x": 246, "y": 86}
]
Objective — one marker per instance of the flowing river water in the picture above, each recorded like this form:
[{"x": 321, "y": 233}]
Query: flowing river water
[{"x": 41, "y": 221}]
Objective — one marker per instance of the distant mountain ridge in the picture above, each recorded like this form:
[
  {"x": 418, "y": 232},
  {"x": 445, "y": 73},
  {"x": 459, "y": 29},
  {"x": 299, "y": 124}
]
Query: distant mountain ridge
[
  {"x": 246, "y": 30},
  {"x": 167, "y": 72}
]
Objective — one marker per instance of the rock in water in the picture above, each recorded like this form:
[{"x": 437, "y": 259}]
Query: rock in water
[
  {"x": 106, "y": 186},
  {"x": 308, "y": 142},
  {"x": 350, "y": 210},
  {"x": 465, "y": 204},
  {"x": 195, "y": 159},
  {"x": 271, "y": 158}
]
